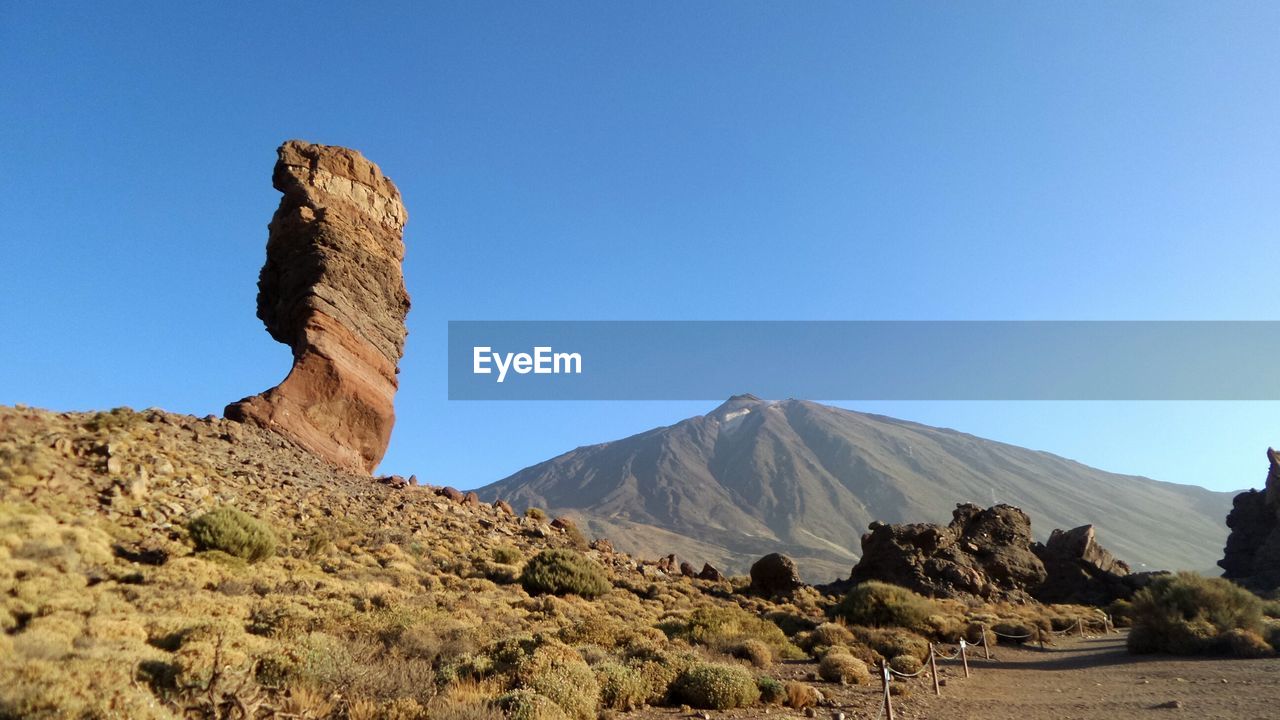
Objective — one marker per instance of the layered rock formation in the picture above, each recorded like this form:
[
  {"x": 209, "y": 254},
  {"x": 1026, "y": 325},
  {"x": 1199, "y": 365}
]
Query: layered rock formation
[
  {"x": 1252, "y": 555},
  {"x": 1079, "y": 570},
  {"x": 333, "y": 291}
]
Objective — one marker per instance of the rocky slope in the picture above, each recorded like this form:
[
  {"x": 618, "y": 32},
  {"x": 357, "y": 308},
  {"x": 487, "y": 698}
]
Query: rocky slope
[
  {"x": 333, "y": 291},
  {"x": 753, "y": 477}
]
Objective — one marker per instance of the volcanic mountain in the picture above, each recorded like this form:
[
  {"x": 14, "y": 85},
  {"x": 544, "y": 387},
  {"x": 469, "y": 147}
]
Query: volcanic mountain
[{"x": 754, "y": 477}]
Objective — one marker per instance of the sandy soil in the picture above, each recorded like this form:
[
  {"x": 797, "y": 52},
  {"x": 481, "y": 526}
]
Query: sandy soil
[
  {"x": 1097, "y": 678},
  {"x": 1078, "y": 679}
]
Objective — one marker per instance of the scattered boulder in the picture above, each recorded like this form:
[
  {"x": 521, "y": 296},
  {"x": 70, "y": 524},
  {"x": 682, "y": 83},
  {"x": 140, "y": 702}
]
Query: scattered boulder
[
  {"x": 775, "y": 574},
  {"x": 669, "y": 564},
  {"x": 471, "y": 500},
  {"x": 602, "y": 545},
  {"x": 504, "y": 507},
  {"x": 1252, "y": 555},
  {"x": 709, "y": 572},
  {"x": 452, "y": 494},
  {"x": 686, "y": 569},
  {"x": 332, "y": 289},
  {"x": 395, "y": 482}
]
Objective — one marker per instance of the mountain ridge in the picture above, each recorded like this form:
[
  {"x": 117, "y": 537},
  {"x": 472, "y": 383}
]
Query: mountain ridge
[{"x": 754, "y": 476}]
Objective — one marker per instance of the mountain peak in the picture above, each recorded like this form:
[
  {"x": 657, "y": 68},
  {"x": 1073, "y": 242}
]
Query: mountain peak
[{"x": 735, "y": 405}]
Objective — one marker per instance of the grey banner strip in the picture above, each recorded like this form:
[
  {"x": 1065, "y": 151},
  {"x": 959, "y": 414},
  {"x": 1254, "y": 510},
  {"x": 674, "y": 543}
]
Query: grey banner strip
[{"x": 864, "y": 360}]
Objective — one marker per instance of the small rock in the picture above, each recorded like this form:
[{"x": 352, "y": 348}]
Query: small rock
[
  {"x": 1171, "y": 705},
  {"x": 810, "y": 712},
  {"x": 504, "y": 507}
]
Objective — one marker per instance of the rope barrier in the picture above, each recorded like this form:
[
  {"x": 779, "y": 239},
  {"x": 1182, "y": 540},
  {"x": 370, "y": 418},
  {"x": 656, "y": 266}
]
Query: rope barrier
[
  {"x": 907, "y": 675},
  {"x": 1011, "y": 637}
]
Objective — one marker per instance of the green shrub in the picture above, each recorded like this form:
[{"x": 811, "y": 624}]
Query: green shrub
[
  {"x": 562, "y": 572},
  {"x": 725, "y": 628},
  {"x": 883, "y": 605},
  {"x": 1271, "y": 608},
  {"x": 621, "y": 687},
  {"x": 713, "y": 686},
  {"x": 1186, "y": 614},
  {"x": 529, "y": 705},
  {"x": 233, "y": 532},
  {"x": 842, "y": 667},
  {"x": 772, "y": 692},
  {"x": 507, "y": 555}
]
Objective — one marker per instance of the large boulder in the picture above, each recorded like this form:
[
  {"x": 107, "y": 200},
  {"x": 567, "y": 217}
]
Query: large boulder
[
  {"x": 1079, "y": 570},
  {"x": 989, "y": 553},
  {"x": 775, "y": 574},
  {"x": 1252, "y": 554},
  {"x": 333, "y": 291},
  {"x": 981, "y": 552}
]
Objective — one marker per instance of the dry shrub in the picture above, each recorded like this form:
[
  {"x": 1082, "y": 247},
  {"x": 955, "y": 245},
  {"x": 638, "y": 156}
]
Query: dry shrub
[
  {"x": 841, "y": 667},
  {"x": 891, "y": 643},
  {"x": 828, "y": 634},
  {"x": 905, "y": 664},
  {"x": 714, "y": 686},
  {"x": 557, "y": 671},
  {"x": 526, "y": 704},
  {"x": 753, "y": 651},
  {"x": 621, "y": 687},
  {"x": 1247, "y": 644},
  {"x": 801, "y": 696},
  {"x": 722, "y": 628}
]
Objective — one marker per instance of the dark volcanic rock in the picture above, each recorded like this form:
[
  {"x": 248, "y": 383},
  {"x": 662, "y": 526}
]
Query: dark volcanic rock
[
  {"x": 1252, "y": 555},
  {"x": 775, "y": 574},
  {"x": 981, "y": 552},
  {"x": 990, "y": 554},
  {"x": 332, "y": 289},
  {"x": 1080, "y": 570},
  {"x": 709, "y": 572}
]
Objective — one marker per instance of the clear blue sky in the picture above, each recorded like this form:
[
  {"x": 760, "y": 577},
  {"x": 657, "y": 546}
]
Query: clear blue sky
[{"x": 596, "y": 160}]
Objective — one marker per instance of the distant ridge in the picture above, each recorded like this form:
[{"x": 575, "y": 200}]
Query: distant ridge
[{"x": 793, "y": 476}]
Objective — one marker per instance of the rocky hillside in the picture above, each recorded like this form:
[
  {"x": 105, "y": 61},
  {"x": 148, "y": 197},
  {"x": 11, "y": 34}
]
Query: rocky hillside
[
  {"x": 752, "y": 477},
  {"x": 157, "y": 566}
]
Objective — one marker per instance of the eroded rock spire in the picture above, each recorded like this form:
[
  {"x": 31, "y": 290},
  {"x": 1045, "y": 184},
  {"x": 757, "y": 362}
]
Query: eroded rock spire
[{"x": 332, "y": 289}]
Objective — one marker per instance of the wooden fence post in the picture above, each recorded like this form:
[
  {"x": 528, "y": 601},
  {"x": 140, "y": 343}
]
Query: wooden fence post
[
  {"x": 1080, "y": 626},
  {"x": 933, "y": 666},
  {"x": 986, "y": 650},
  {"x": 964, "y": 656},
  {"x": 888, "y": 696}
]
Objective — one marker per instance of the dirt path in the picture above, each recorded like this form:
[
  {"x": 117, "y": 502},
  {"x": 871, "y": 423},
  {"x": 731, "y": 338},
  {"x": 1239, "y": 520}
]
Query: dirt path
[
  {"x": 1097, "y": 678},
  {"x": 1077, "y": 679}
]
